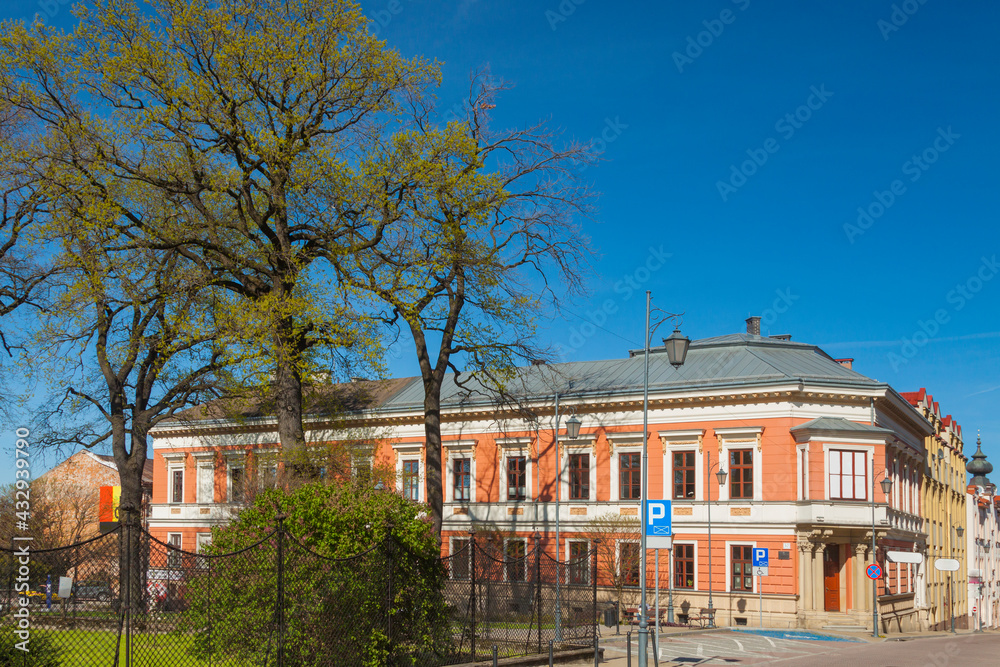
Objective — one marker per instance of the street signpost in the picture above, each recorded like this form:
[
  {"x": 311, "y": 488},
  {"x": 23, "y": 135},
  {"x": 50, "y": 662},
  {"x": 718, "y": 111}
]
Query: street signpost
[
  {"x": 658, "y": 525},
  {"x": 760, "y": 560},
  {"x": 948, "y": 565}
]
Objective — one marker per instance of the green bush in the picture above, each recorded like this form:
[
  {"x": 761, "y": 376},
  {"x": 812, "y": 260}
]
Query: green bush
[
  {"x": 43, "y": 652},
  {"x": 336, "y": 612}
]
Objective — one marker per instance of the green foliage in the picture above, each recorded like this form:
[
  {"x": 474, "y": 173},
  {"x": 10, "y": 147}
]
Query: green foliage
[
  {"x": 43, "y": 651},
  {"x": 361, "y": 577}
]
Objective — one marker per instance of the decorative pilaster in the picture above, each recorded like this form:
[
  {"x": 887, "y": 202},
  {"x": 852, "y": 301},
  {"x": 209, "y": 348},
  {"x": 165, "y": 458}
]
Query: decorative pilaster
[{"x": 805, "y": 572}]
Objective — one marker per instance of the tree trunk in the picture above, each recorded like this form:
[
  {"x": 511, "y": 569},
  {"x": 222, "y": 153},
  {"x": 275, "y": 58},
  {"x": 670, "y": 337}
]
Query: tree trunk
[
  {"x": 432, "y": 432},
  {"x": 132, "y": 559}
]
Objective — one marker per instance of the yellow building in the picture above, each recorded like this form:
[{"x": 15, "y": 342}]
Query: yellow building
[{"x": 943, "y": 499}]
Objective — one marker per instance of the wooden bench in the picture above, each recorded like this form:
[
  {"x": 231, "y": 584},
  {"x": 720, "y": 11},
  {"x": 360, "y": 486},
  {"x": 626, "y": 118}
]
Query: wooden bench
[
  {"x": 632, "y": 616},
  {"x": 705, "y": 617}
]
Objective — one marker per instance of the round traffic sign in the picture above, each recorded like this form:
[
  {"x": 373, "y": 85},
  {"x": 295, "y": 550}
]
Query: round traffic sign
[
  {"x": 973, "y": 610},
  {"x": 874, "y": 571}
]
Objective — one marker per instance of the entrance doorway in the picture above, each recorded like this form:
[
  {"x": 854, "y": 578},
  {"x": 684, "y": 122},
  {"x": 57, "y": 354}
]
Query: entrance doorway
[{"x": 831, "y": 578}]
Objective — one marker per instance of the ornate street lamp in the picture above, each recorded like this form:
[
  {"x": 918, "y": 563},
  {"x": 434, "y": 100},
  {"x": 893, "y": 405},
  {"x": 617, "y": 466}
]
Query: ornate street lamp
[
  {"x": 573, "y": 427},
  {"x": 573, "y": 431},
  {"x": 676, "y": 346},
  {"x": 721, "y": 475}
]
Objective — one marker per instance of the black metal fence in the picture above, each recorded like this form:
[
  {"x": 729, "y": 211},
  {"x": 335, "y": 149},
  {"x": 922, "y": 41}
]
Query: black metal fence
[{"x": 137, "y": 601}]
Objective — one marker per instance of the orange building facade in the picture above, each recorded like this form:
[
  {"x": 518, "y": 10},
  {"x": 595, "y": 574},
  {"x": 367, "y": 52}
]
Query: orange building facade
[{"x": 804, "y": 440}]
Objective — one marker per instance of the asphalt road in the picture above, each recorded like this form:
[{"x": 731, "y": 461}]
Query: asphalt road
[{"x": 739, "y": 648}]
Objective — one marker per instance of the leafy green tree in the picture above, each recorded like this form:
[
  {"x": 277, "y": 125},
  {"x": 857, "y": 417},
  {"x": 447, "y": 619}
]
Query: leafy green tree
[
  {"x": 362, "y": 577},
  {"x": 259, "y": 123},
  {"x": 480, "y": 244}
]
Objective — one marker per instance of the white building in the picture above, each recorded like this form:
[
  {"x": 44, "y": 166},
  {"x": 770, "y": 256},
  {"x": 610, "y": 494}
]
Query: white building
[{"x": 983, "y": 544}]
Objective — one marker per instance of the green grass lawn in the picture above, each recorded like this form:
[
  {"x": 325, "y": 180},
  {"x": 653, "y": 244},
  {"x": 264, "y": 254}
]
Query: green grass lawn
[{"x": 97, "y": 648}]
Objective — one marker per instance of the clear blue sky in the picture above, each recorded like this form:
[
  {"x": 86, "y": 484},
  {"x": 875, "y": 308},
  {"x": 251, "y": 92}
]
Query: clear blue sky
[{"x": 689, "y": 91}]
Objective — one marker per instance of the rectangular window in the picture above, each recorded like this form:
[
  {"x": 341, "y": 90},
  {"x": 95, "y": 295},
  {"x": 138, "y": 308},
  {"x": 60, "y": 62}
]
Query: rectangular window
[
  {"x": 683, "y": 566},
  {"x": 174, "y": 557},
  {"x": 629, "y": 465},
  {"x": 237, "y": 477},
  {"x": 411, "y": 479},
  {"x": 517, "y": 475},
  {"x": 516, "y": 562},
  {"x": 741, "y": 473},
  {"x": 742, "y": 560},
  {"x": 579, "y": 476},
  {"x": 459, "y": 558},
  {"x": 267, "y": 476},
  {"x": 206, "y": 484},
  {"x": 363, "y": 471},
  {"x": 177, "y": 486},
  {"x": 684, "y": 474},
  {"x": 461, "y": 478},
  {"x": 579, "y": 565},
  {"x": 628, "y": 563},
  {"x": 848, "y": 475},
  {"x": 204, "y": 540}
]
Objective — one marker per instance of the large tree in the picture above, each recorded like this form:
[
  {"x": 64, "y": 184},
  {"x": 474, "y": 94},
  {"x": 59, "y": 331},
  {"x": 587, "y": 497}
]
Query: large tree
[
  {"x": 258, "y": 122},
  {"x": 481, "y": 244}
]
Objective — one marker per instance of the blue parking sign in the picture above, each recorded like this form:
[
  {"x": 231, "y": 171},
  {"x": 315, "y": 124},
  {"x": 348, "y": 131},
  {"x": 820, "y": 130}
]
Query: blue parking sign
[
  {"x": 759, "y": 557},
  {"x": 657, "y": 524}
]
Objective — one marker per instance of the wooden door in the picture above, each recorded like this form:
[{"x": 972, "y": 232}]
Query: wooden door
[{"x": 831, "y": 578}]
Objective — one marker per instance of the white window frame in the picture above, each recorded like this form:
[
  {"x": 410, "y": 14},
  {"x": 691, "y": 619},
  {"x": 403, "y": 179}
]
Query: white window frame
[
  {"x": 507, "y": 541},
  {"x": 459, "y": 449},
  {"x": 203, "y": 461},
  {"x": 176, "y": 462},
  {"x": 840, "y": 446},
  {"x": 622, "y": 443},
  {"x": 578, "y": 446},
  {"x": 235, "y": 461},
  {"x": 468, "y": 557},
  {"x": 673, "y": 560},
  {"x": 200, "y": 544},
  {"x": 683, "y": 441},
  {"x": 362, "y": 457},
  {"x": 590, "y": 563},
  {"x": 513, "y": 448},
  {"x": 729, "y": 565},
  {"x": 618, "y": 561},
  {"x": 171, "y": 554},
  {"x": 411, "y": 451},
  {"x": 741, "y": 437}
]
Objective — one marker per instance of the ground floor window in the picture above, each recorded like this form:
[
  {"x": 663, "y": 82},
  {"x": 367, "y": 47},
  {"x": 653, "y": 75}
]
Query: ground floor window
[
  {"x": 683, "y": 566},
  {"x": 742, "y": 564}
]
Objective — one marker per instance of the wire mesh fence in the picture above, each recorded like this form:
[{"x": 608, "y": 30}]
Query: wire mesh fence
[{"x": 137, "y": 601}]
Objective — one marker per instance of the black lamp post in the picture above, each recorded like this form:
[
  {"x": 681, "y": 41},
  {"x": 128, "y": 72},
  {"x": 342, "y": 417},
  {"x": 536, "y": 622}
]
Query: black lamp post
[
  {"x": 676, "y": 346},
  {"x": 721, "y": 475}
]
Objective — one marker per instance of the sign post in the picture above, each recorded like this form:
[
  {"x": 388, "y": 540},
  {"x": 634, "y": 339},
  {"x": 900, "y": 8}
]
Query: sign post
[
  {"x": 760, "y": 564},
  {"x": 658, "y": 524}
]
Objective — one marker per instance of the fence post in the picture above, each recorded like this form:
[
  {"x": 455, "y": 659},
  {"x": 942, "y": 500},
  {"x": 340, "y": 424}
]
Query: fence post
[
  {"x": 538, "y": 590},
  {"x": 280, "y": 611},
  {"x": 389, "y": 544},
  {"x": 127, "y": 601},
  {"x": 594, "y": 587},
  {"x": 472, "y": 591}
]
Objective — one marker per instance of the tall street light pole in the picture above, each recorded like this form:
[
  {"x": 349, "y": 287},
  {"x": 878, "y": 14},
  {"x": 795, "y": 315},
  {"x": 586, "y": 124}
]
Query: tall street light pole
[
  {"x": 677, "y": 347},
  {"x": 721, "y": 476},
  {"x": 572, "y": 430},
  {"x": 886, "y": 484}
]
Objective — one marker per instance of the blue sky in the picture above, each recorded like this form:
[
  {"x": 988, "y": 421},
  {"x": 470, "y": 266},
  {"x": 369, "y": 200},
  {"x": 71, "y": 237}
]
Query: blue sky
[{"x": 820, "y": 109}]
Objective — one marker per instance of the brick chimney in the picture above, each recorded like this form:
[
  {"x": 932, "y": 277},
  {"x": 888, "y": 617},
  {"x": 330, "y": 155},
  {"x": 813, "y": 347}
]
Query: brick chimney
[
  {"x": 753, "y": 325},
  {"x": 846, "y": 363}
]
